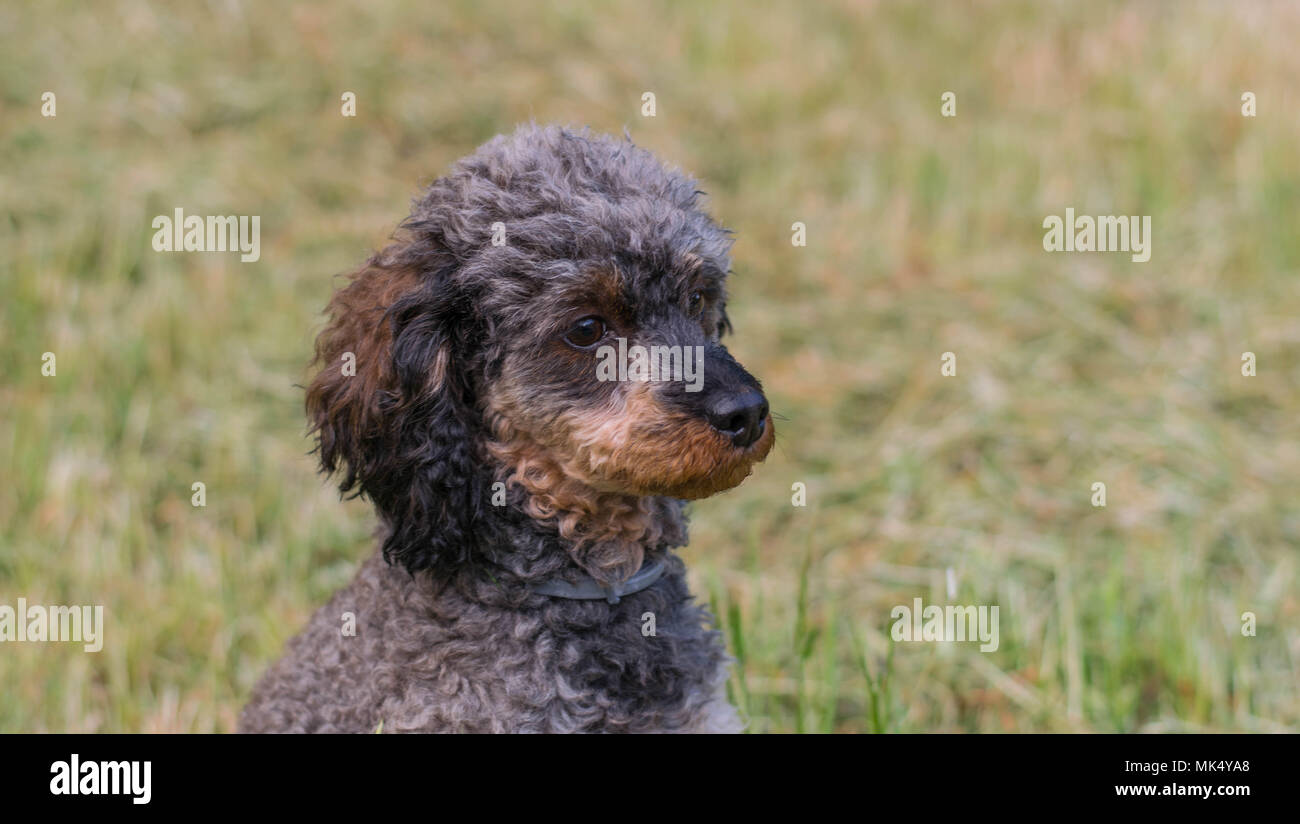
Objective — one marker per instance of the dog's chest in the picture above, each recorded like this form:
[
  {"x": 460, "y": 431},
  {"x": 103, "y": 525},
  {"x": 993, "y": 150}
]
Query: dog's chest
[{"x": 647, "y": 664}]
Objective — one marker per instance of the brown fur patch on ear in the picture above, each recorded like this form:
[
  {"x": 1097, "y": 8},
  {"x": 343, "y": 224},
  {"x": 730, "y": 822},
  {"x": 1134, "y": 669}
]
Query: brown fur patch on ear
[{"x": 345, "y": 408}]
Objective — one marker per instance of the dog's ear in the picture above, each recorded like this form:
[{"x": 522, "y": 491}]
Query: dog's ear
[
  {"x": 394, "y": 407},
  {"x": 346, "y": 400}
]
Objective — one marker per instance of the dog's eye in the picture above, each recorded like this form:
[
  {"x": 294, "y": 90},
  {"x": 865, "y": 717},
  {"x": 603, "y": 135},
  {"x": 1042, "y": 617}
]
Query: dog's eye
[
  {"x": 695, "y": 303},
  {"x": 585, "y": 332}
]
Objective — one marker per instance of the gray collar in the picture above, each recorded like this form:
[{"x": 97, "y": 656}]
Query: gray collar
[{"x": 589, "y": 589}]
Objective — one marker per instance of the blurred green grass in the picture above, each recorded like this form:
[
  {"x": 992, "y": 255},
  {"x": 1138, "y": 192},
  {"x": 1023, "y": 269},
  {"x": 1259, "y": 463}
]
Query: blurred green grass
[{"x": 924, "y": 237}]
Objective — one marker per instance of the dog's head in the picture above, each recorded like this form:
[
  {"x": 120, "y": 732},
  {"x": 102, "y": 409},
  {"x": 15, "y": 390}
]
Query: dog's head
[{"x": 550, "y": 318}]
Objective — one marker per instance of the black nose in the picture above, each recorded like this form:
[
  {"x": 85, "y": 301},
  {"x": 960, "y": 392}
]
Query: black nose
[{"x": 742, "y": 416}]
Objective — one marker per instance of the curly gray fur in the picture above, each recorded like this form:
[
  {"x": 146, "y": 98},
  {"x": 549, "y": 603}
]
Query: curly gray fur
[
  {"x": 458, "y": 365},
  {"x": 473, "y": 657}
]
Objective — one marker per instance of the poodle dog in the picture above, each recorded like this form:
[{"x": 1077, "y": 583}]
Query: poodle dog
[{"x": 529, "y": 500}]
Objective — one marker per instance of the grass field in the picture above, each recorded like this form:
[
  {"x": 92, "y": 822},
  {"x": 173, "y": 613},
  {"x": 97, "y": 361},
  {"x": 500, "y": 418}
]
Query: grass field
[{"x": 924, "y": 237}]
